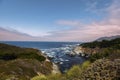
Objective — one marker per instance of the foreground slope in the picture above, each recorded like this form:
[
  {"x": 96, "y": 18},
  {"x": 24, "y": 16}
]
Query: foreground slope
[{"x": 22, "y": 63}]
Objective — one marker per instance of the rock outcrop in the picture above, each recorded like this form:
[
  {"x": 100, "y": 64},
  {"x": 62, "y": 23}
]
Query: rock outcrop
[{"x": 86, "y": 52}]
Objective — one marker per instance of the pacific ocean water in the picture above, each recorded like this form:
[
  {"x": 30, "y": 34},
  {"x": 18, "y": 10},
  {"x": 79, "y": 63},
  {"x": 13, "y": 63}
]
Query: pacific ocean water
[{"x": 57, "y": 51}]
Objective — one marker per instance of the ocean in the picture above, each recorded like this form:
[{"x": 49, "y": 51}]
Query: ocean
[{"x": 58, "y": 52}]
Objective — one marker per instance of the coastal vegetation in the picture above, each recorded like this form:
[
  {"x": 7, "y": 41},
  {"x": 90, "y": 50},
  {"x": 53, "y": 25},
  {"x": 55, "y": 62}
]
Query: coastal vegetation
[
  {"x": 72, "y": 74},
  {"x": 115, "y": 43},
  {"x": 8, "y": 52},
  {"x": 107, "y": 49},
  {"x": 104, "y": 64},
  {"x": 22, "y": 63}
]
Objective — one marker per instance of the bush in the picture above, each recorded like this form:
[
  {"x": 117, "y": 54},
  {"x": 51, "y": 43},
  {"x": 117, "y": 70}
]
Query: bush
[
  {"x": 74, "y": 72},
  {"x": 41, "y": 77},
  {"x": 56, "y": 77},
  {"x": 103, "y": 44},
  {"x": 102, "y": 69},
  {"x": 85, "y": 65},
  {"x": 8, "y": 52},
  {"x": 31, "y": 55}
]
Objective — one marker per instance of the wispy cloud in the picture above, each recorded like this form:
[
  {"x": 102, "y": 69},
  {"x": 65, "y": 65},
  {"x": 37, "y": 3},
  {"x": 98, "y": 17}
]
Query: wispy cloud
[
  {"x": 109, "y": 26},
  {"x": 14, "y": 35},
  {"x": 10, "y": 34},
  {"x": 93, "y": 6},
  {"x": 68, "y": 22}
]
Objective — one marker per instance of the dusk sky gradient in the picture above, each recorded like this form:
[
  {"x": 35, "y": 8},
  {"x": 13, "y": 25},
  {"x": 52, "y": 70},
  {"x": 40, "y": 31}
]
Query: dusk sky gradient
[{"x": 58, "y": 20}]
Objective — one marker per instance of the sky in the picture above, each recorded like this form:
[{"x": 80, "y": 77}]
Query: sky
[{"x": 58, "y": 20}]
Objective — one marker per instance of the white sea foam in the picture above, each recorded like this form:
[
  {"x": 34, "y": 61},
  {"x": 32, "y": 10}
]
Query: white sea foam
[{"x": 58, "y": 54}]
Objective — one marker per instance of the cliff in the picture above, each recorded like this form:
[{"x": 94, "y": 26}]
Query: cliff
[
  {"x": 86, "y": 51},
  {"x": 103, "y": 48}
]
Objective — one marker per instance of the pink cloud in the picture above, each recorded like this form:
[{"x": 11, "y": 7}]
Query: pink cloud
[
  {"x": 108, "y": 27},
  {"x": 12, "y": 35},
  {"x": 68, "y": 22}
]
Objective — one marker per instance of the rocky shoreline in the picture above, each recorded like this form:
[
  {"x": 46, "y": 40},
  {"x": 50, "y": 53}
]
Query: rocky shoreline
[
  {"x": 85, "y": 52},
  {"x": 63, "y": 58},
  {"x": 79, "y": 51},
  {"x": 55, "y": 68}
]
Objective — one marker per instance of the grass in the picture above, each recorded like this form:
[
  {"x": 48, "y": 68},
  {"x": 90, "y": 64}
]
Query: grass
[
  {"x": 41, "y": 77},
  {"x": 22, "y": 63},
  {"x": 72, "y": 74}
]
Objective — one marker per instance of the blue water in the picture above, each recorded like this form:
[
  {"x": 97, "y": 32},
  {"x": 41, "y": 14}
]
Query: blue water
[
  {"x": 39, "y": 45},
  {"x": 58, "y": 52}
]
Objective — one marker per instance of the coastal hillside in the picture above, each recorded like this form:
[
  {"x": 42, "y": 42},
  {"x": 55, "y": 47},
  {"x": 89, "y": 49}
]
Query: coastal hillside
[
  {"x": 22, "y": 63},
  {"x": 103, "y": 63},
  {"x": 108, "y": 38},
  {"x": 104, "y": 49}
]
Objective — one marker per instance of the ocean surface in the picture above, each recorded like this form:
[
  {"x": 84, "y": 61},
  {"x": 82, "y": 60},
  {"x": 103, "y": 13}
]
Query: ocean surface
[{"x": 58, "y": 52}]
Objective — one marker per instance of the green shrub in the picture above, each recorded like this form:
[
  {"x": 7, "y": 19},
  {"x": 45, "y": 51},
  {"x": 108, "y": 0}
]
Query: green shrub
[
  {"x": 103, "y": 44},
  {"x": 8, "y": 52},
  {"x": 85, "y": 65},
  {"x": 31, "y": 55},
  {"x": 55, "y": 77},
  {"x": 74, "y": 72},
  {"x": 41, "y": 77}
]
